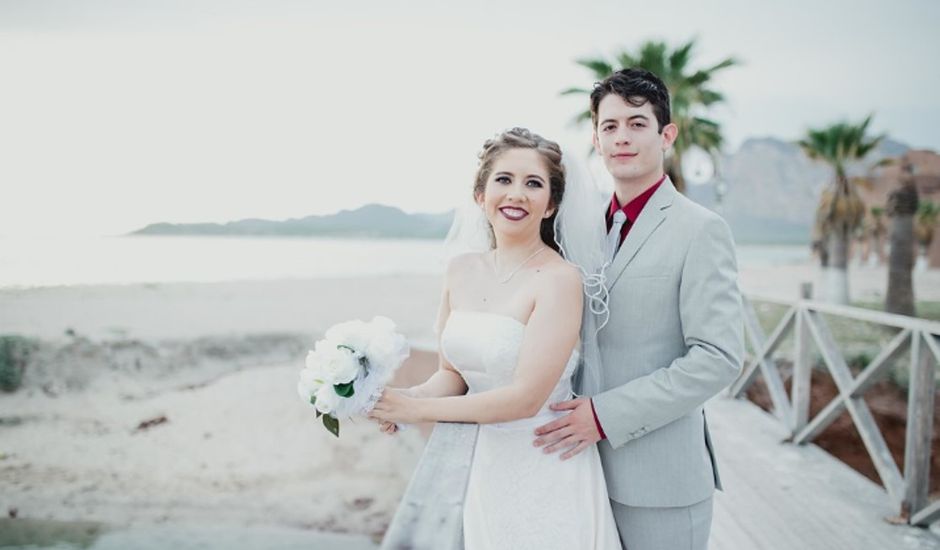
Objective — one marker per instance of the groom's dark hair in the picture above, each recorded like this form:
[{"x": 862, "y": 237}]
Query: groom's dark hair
[{"x": 636, "y": 86}]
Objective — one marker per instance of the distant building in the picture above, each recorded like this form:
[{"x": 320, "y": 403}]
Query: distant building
[{"x": 926, "y": 177}]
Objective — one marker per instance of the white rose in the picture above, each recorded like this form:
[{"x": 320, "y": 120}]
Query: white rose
[
  {"x": 354, "y": 334},
  {"x": 309, "y": 384},
  {"x": 387, "y": 350},
  {"x": 339, "y": 366},
  {"x": 327, "y": 399},
  {"x": 315, "y": 358}
]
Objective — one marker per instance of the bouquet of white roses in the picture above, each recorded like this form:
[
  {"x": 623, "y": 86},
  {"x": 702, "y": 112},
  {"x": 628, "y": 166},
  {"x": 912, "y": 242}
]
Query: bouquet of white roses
[{"x": 346, "y": 372}]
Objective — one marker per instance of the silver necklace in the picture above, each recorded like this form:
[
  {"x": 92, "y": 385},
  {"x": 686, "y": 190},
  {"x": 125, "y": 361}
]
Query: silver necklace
[{"x": 514, "y": 271}]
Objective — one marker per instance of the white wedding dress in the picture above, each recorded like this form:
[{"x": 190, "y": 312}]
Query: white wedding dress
[{"x": 518, "y": 497}]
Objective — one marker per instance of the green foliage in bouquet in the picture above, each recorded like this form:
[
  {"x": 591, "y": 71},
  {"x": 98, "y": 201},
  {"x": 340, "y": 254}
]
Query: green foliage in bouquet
[
  {"x": 14, "y": 352},
  {"x": 344, "y": 390},
  {"x": 330, "y": 422}
]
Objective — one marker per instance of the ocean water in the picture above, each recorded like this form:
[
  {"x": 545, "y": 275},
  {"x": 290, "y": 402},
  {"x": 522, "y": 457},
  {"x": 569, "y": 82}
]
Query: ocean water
[
  {"x": 37, "y": 262},
  {"x": 31, "y": 262}
]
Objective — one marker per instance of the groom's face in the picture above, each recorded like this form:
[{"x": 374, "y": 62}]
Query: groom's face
[{"x": 627, "y": 137}]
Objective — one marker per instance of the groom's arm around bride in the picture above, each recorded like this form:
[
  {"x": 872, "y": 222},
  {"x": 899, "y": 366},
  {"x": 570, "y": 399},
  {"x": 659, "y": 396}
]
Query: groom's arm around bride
[{"x": 709, "y": 317}]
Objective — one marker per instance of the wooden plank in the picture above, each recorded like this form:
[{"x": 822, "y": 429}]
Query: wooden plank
[
  {"x": 933, "y": 344},
  {"x": 881, "y": 362},
  {"x": 821, "y": 421},
  {"x": 829, "y": 350},
  {"x": 832, "y": 411},
  {"x": 755, "y": 334},
  {"x": 859, "y": 314},
  {"x": 928, "y": 515},
  {"x": 802, "y": 373},
  {"x": 861, "y": 415},
  {"x": 765, "y": 346},
  {"x": 777, "y": 495},
  {"x": 920, "y": 410},
  {"x": 878, "y": 450},
  {"x": 430, "y": 515},
  {"x": 877, "y": 317}
]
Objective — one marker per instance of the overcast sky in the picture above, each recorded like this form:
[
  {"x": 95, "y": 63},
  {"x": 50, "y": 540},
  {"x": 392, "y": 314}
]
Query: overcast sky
[{"x": 116, "y": 114}]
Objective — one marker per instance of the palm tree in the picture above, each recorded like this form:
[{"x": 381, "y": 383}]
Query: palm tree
[
  {"x": 902, "y": 206},
  {"x": 840, "y": 209},
  {"x": 878, "y": 232},
  {"x": 861, "y": 245},
  {"x": 688, "y": 90},
  {"x": 925, "y": 225}
]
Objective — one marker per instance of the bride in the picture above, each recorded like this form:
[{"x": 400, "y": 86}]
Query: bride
[{"x": 509, "y": 324}]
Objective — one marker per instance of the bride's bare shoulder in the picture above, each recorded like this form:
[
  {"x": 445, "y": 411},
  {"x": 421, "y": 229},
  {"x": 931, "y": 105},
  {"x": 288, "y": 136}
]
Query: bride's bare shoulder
[
  {"x": 560, "y": 274},
  {"x": 559, "y": 267},
  {"x": 464, "y": 264}
]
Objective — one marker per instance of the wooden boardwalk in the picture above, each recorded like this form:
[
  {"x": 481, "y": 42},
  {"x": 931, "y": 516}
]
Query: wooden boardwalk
[
  {"x": 784, "y": 496},
  {"x": 778, "y": 496}
]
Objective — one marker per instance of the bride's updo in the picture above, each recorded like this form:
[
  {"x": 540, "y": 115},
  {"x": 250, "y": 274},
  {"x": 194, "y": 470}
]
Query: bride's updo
[{"x": 521, "y": 138}]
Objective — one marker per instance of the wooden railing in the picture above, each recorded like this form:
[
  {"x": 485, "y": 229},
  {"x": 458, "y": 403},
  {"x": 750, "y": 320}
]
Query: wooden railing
[{"x": 804, "y": 320}]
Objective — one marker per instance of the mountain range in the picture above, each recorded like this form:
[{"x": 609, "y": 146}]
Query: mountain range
[
  {"x": 772, "y": 189},
  {"x": 370, "y": 221}
]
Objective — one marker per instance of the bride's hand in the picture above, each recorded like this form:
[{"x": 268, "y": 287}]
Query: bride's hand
[
  {"x": 389, "y": 428},
  {"x": 395, "y": 406}
]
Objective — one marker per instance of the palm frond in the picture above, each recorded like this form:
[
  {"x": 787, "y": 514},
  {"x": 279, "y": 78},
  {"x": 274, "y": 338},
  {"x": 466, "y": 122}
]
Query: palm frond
[
  {"x": 601, "y": 68},
  {"x": 627, "y": 60},
  {"x": 571, "y": 91},
  {"x": 688, "y": 88},
  {"x": 709, "y": 97},
  {"x": 724, "y": 64},
  {"x": 581, "y": 118},
  {"x": 680, "y": 57}
]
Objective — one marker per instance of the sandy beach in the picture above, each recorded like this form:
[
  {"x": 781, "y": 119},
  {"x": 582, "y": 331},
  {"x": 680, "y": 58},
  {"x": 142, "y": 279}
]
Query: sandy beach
[
  {"x": 175, "y": 403},
  {"x": 219, "y": 363}
]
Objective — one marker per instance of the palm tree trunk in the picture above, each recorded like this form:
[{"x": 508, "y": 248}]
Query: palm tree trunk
[
  {"x": 674, "y": 171},
  {"x": 836, "y": 274},
  {"x": 900, "y": 298}
]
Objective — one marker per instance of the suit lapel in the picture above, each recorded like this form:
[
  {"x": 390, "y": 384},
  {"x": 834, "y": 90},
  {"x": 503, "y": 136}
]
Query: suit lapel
[{"x": 649, "y": 220}]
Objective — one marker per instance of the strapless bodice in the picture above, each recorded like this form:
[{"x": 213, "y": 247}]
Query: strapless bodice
[{"x": 484, "y": 348}]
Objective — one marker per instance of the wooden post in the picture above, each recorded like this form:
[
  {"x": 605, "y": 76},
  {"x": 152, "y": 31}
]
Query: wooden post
[
  {"x": 861, "y": 415},
  {"x": 430, "y": 515},
  {"x": 920, "y": 403},
  {"x": 806, "y": 290},
  {"x": 802, "y": 368}
]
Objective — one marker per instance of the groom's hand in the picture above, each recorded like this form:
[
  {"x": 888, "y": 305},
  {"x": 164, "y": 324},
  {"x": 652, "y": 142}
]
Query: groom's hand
[{"x": 574, "y": 431}]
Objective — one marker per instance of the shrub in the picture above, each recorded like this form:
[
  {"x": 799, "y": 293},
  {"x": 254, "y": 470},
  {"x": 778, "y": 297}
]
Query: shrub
[{"x": 14, "y": 353}]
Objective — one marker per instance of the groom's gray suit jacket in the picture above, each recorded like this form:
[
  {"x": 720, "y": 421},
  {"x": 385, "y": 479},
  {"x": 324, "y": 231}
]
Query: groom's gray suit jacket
[{"x": 673, "y": 340}]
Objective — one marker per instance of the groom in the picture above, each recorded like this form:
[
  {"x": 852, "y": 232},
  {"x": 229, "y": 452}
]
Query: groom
[{"x": 674, "y": 337}]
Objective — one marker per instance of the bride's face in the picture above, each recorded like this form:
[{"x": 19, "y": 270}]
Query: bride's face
[{"x": 517, "y": 194}]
